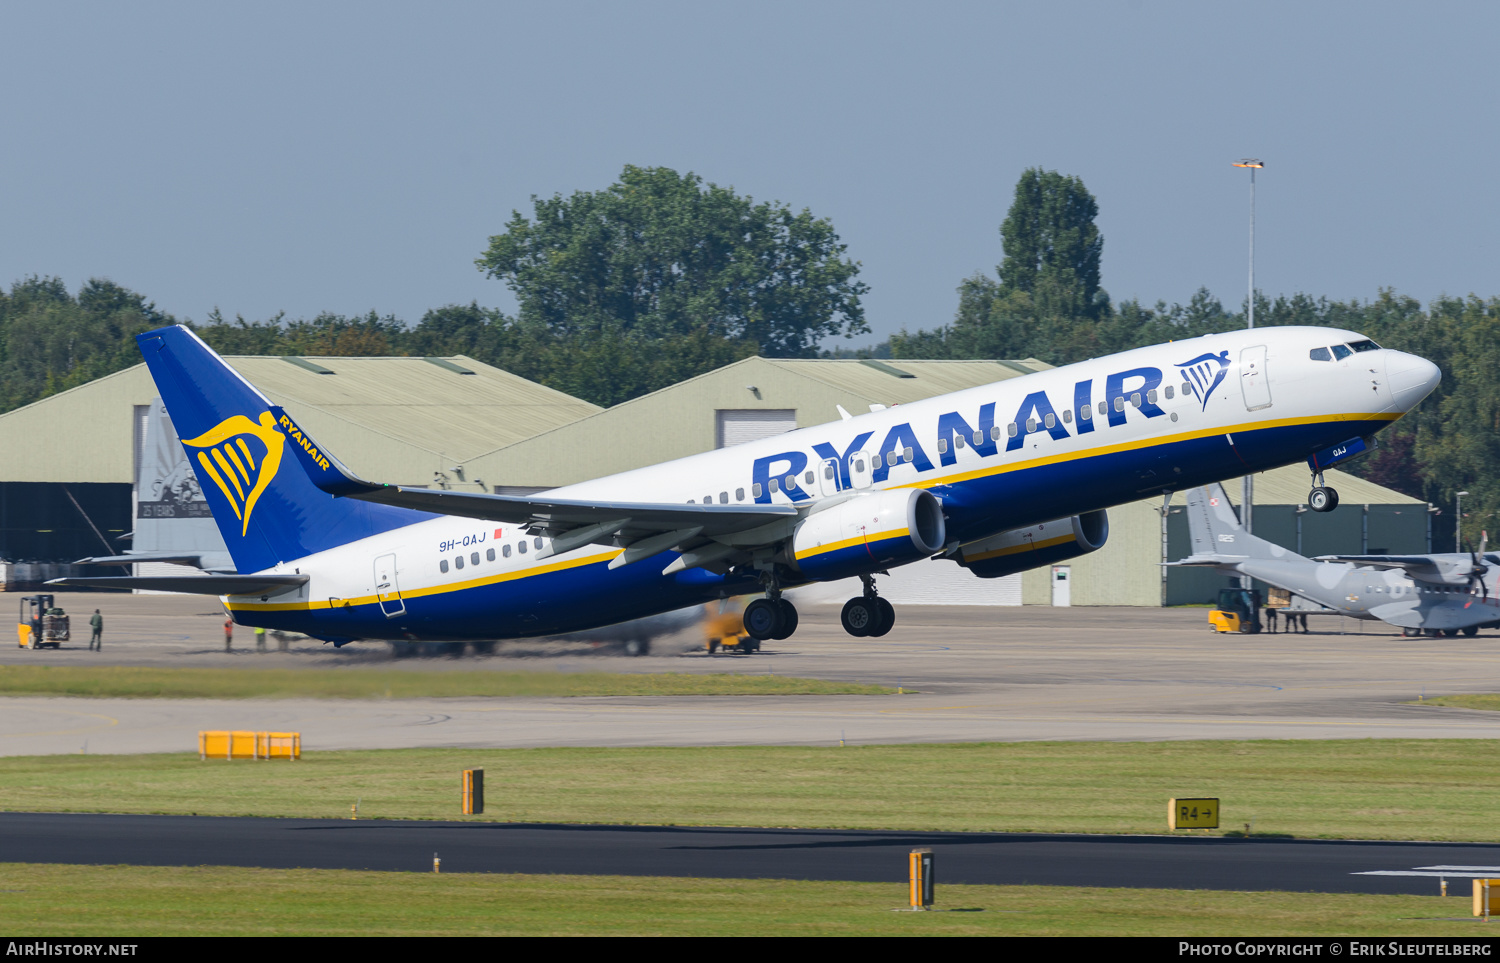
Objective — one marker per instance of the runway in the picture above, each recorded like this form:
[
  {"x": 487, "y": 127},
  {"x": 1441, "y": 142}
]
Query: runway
[
  {"x": 480, "y": 847},
  {"x": 981, "y": 674}
]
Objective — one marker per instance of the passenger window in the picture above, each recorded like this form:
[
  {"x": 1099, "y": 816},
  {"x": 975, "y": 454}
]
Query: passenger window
[
  {"x": 1151, "y": 395},
  {"x": 708, "y": 499},
  {"x": 978, "y": 438},
  {"x": 1085, "y": 413},
  {"x": 1067, "y": 416},
  {"x": 458, "y": 562},
  {"x": 1320, "y": 354},
  {"x": 995, "y": 433},
  {"x": 1135, "y": 398},
  {"x": 521, "y": 546},
  {"x": 473, "y": 558},
  {"x": 489, "y": 555},
  {"x": 505, "y": 550},
  {"x": 1366, "y": 345},
  {"x": 1169, "y": 393},
  {"x": 755, "y": 490},
  {"x": 1340, "y": 352},
  {"x": 943, "y": 445},
  {"x": 810, "y": 478},
  {"x": 958, "y": 441},
  {"x": 443, "y": 566},
  {"x": 739, "y": 494},
  {"x": 1103, "y": 408},
  {"x": 1050, "y": 421},
  {"x": 1187, "y": 389},
  {"x": 775, "y": 485},
  {"x": 723, "y": 498},
  {"x": 1119, "y": 404},
  {"x": 791, "y": 482},
  {"x": 874, "y": 461},
  {"x": 907, "y": 454},
  {"x": 859, "y": 464},
  {"x": 537, "y": 541},
  {"x": 1030, "y": 425},
  {"x": 1012, "y": 429}
]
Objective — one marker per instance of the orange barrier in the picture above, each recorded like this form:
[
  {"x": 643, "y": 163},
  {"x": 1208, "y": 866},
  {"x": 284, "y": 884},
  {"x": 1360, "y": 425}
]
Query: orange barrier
[{"x": 249, "y": 745}]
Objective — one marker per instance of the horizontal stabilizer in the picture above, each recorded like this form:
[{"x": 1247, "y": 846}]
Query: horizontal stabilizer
[
  {"x": 189, "y": 584},
  {"x": 195, "y": 559}
]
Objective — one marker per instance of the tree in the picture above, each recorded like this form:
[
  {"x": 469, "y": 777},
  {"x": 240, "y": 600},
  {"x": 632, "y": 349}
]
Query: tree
[
  {"x": 664, "y": 255},
  {"x": 1052, "y": 248}
]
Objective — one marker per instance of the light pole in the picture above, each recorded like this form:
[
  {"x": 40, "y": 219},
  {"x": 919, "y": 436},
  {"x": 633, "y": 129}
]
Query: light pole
[
  {"x": 1458, "y": 522},
  {"x": 1247, "y": 489}
]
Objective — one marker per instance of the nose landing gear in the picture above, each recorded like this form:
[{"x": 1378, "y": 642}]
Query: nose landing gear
[
  {"x": 1322, "y": 498},
  {"x": 868, "y": 614}
]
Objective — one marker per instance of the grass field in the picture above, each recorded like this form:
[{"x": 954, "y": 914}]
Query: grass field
[
  {"x": 353, "y": 683},
  {"x": 1363, "y": 789},
  {"x": 124, "y": 901},
  {"x": 1487, "y": 700}
]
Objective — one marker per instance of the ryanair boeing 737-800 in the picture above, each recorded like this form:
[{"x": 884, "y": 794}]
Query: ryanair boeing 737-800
[{"x": 999, "y": 479}]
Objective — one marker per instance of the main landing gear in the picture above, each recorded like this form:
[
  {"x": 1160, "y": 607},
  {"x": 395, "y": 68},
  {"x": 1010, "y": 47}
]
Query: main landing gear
[
  {"x": 868, "y": 614},
  {"x": 1322, "y": 498},
  {"x": 772, "y": 617}
]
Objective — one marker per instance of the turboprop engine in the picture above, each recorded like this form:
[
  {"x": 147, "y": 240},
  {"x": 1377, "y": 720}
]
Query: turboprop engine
[
  {"x": 869, "y": 532},
  {"x": 1023, "y": 548}
]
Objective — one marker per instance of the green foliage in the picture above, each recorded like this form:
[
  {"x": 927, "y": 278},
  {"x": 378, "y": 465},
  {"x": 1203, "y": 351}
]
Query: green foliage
[
  {"x": 51, "y": 341},
  {"x": 1052, "y": 248},
  {"x": 661, "y": 255}
]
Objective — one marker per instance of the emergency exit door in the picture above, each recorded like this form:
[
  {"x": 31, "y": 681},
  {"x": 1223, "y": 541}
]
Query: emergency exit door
[{"x": 386, "y": 588}]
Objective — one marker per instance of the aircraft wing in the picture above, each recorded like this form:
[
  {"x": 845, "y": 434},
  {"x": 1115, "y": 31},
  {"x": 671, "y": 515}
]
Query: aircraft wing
[
  {"x": 190, "y": 584},
  {"x": 1447, "y": 569}
]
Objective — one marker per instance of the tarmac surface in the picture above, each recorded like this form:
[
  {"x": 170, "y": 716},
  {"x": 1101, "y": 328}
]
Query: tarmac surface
[
  {"x": 995, "y": 858},
  {"x": 980, "y": 673}
]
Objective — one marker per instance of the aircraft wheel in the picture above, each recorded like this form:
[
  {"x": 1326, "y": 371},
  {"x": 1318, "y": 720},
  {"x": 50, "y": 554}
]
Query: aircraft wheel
[
  {"x": 1471, "y": 631},
  {"x": 713, "y": 646},
  {"x": 886, "y": 617},
  {"x": 787, "y": 623},
  {"x": 858, "y": 616},
  {"x": 1450, "y": 633},
  {"x": 1323, "y": 499},
  {"x": 762, "y": 618},
  {"x": 1431, "y": 633}
]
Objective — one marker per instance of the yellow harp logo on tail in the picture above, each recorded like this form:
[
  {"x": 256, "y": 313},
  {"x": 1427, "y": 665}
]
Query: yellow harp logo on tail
[{"x": 241, "y": 457}]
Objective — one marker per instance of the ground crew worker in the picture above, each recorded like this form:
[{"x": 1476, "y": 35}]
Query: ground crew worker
[
  {"x": 228, "y": 633},
  {"x": 1271, "y": 620},
  {"x": 260, "y": 639},
  {"x": 96, "y": 641}
]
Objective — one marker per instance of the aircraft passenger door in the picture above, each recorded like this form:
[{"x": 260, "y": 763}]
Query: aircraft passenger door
[
  {"x": 1253, "y": 382},
  {"x": 386, "y": 589},
  {"x": 828, "y": 477},
  {"x": 861, "y": 472}
]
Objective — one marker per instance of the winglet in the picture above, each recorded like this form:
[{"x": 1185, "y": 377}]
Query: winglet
[{"x": 844, "y": 414}]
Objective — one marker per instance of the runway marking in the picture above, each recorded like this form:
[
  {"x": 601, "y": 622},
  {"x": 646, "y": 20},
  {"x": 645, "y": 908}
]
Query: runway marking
[{"x": 108, "y": 720}]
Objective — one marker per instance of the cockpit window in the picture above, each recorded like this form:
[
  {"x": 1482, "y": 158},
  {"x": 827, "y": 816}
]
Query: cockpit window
[
  {"x": 1341, "y": 352},
  {"x": 1365, "y": 345},
  {"x": 1320, "y": 354}
]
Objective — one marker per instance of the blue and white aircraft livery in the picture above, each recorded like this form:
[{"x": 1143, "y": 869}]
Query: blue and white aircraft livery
[{"x": 999, "y": 478}]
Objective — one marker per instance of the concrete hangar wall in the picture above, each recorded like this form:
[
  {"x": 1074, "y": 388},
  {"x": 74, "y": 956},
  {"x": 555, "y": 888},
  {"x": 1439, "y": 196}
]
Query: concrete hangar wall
[{"x": 400, "y": 420}]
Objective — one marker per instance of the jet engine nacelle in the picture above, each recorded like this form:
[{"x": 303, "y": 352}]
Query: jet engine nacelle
[
  {"x": 868, "y": 533},
  {"x": 1023, "y": 548}
]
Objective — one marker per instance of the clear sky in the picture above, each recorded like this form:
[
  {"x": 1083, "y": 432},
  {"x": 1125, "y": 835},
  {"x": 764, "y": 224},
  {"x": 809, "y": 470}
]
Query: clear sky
[{"x": 304, "y": 157}]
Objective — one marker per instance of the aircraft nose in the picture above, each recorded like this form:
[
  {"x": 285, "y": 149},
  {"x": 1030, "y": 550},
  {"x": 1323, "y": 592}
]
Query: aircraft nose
[{"x": 1411, "y": 379}]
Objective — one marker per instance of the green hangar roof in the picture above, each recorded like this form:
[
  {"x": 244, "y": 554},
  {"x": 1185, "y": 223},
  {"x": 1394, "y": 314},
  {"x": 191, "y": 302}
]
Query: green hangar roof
[
  {"x": 398, "y": 420},
  {"x": 750, "y": 398}
]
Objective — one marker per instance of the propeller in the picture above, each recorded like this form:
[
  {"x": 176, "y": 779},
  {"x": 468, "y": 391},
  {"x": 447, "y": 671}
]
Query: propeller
[{"x": 1476, "y": 570}]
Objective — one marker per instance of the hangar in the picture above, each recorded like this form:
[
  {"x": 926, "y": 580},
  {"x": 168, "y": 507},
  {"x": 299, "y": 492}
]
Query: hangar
[{"x": 70, "y": 488}]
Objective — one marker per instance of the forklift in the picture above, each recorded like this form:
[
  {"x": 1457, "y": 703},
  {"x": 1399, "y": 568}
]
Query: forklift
[
  {"x": 41, "y": 623},
  {"x": 1237, "y": 610}
]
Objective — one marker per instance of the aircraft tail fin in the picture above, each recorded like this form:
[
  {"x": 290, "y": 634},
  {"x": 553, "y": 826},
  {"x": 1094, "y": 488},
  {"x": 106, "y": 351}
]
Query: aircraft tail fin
[
  {"x": 266, "y": 506},
  {"x": 1218, "y": 538}
]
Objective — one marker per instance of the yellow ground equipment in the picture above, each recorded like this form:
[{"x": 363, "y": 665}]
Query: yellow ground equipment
[
  {"x": 1237, "y": 610},
  {"x": 41, "y": 623},
  {"x": 726, "y": 630}
]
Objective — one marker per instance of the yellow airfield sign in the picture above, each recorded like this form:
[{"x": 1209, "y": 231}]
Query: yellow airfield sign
[{"x": 1192, "y": 814}]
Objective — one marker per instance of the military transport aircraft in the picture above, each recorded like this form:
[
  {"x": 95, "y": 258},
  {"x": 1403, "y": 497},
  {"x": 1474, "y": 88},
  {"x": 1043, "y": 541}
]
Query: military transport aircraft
[
  {"x": 983, "y": 476},
  {"x": 1445, "y": 593}
]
